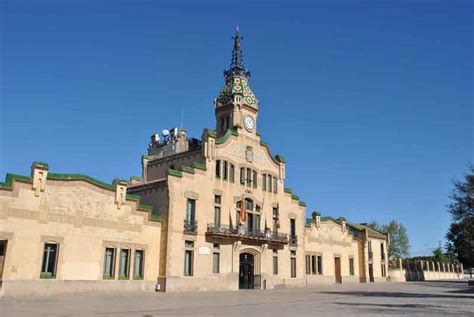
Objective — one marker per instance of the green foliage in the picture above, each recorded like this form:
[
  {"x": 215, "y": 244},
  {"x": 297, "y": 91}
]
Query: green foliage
[
  {"x": 438, "y": 255},
  {"x": 137, "y": 277},
  {"x": 399, "y": 243},
  {"x": 108, "y": 277},
  {"x": 460, "y": 235}
]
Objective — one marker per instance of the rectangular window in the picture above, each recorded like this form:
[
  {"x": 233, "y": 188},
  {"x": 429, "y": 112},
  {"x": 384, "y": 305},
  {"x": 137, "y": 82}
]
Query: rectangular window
[
  {"x": 269, "y": 187},
  {"x": 232, "y": 173},
  {"x": 50, "y": 260},
  {"x": 293, "y": 227},
  {"x": 191, "y": 211},
  {"x": 275, "y": 184},
  {"x": 226, "y": 172},
  {"x": 249, "y": 177},
  {"x": 138, "y": 265},
  {"x": 254, "y": 179},
  {"x": 188, "y": 258},
  {"x": 109, "y": 263},
  {"x": 320, "y": 264},
  {"x": 218, "y": 169},
  {"x": 275, "y": 261},
  {"x": 124, "y": 263},
  {"x": 215, "y": 262},
  {"x": 314, "y": 269},
  {"x": 293, "y": 267},
  {"x": 351, "y": 266},
  {"x": 383, "y": 271},
  {"x": 264, "y": 182},
  {"x": 242, "y": 175},
  {"x": 382, "y": 252},
  {"x": 217, "y": 216},
  {"x": 308, "y": 264}
]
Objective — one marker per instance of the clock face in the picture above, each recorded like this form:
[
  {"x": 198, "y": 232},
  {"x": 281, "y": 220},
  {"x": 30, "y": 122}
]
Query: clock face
[{"x": 249, "y": 123}]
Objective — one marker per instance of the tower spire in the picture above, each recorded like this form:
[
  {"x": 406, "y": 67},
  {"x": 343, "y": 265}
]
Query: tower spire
[{"x": 237, "y": 63}]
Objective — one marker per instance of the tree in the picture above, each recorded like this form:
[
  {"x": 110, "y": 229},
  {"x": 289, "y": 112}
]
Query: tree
[
  {"x": 460, "y": 235},
  {"x": 438, "y": 255},
  {"x": 399, "y": 243}
]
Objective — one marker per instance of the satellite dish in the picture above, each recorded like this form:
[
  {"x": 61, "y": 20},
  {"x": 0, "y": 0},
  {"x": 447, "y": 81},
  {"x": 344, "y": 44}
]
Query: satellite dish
[{"x": 165, "y": 133}]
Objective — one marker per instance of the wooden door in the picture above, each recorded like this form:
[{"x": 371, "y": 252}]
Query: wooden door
[
  {"x": 3, "y": 251},
  {"x": 337, "y": 266}
]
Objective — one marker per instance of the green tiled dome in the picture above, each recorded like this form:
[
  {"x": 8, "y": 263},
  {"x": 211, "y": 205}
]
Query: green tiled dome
[{"x": 237, "y": 85}]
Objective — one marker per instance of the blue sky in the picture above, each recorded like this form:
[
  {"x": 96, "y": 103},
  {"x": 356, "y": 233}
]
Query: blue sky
[{"x": 370, "y": 103}]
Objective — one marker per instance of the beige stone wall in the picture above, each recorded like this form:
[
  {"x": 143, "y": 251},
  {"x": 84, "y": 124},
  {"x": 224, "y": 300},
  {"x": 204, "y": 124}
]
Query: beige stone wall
[
  {"x": 83, "y": 219},
  {"x": 156, "y": 169},
  {"x": 377, "y": 258},
  {"x": 331, "y": 241}
]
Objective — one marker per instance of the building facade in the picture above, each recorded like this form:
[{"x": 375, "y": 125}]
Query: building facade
[{"x": 218, "y": 216}]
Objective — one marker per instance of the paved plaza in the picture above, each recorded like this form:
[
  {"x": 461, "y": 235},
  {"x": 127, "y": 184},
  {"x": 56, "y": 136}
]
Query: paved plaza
[{"x": 442, "y": 298}]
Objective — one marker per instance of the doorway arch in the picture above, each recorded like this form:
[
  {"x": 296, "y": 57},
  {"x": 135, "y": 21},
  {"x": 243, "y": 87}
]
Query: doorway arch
[{"x": 249, "y": 269}]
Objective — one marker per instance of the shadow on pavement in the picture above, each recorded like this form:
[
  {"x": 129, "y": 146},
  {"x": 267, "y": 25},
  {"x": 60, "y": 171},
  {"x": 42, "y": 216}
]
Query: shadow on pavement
[{"x": 395, "y": 294}]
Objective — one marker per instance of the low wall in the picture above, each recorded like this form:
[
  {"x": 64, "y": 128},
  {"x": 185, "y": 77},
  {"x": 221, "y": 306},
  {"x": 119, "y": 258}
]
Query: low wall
[{"x": 25, "y": 288}]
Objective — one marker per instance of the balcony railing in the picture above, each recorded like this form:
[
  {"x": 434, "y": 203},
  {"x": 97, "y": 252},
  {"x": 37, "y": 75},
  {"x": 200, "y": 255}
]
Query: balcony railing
[
  {"x": 190, "y": 227},
  {"x": 293, "y": 240},
  {"x": 240, "y": 233}
]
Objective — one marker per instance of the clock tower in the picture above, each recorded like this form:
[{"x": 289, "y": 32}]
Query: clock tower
[{"x": 236, "y": 106}]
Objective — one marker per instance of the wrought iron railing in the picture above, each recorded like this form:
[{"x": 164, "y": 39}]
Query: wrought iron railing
[
  {"x": 190, "y": 226},
  {"x": 240, "y": 232},
  {"x": 294, "y": 240}
]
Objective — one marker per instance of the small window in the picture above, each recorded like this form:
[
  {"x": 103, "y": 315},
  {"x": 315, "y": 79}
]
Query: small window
[
  {"x": 351, "y": 266},
  {"x": 124, "y": 264},
  {"x": 190, "y": 211},
  {"x": 320, "y": 264},
  {"x": 249, "y": 177},
  {"x": 226, "y": 172},
  {"x": 138, "y": 265},
  {"x": 314, "y": 269},
  {"x": 308, "y": 264},
  {"x": 275, "y": 261},
  {"x": 384, "y": 274},
  {"x": 217, "y": 216},
  {"x": 217, "y": 199},
  {"x": 232, "y": 173},
  {"x": 293, "y": 267},
  {"x": 242, "y": 175},
  {"x": 275, "y": 184},
  {"x": 215, "y": 262},
  {"x": 264, "y": 182},
  {"x": 269, "y": 187},
  {"x": 218, "y": 169},
  {"x": 188, "y": 258},
  {"x": 109, "y": 263},
  {"x": 254, "y": 179},
  {"x": 50, "y": 260}
]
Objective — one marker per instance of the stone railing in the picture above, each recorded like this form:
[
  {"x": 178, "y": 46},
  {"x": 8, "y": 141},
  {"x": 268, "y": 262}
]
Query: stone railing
[{"x": 422, "y": 270}]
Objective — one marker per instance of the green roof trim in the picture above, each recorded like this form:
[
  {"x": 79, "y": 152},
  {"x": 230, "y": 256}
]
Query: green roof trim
[
  {"x": 264, "y": 143},
  {"x": 227, "y": 135},
  {"x": 280, "y": 158},
  {"x": 133, "y": 197},
  {"x": 9, "y": 178},
  {"x": 199, "y": 166},
  {"x": 287, "y": 190},
  {"x": 187, "y": 169},
  {"x": 81, "y": 177},
  {"x": 173, "y": 172},
  {"x": 136, "y": 178},
  {"x": 302, "y": 203},
  {"x": 40, "y": 163},
  {"x": 295, "y": 197}
]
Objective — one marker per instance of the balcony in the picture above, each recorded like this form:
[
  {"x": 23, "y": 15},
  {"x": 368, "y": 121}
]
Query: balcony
[
  {"x": 238, "y": 233},
  {"x": 294, "y": 241},
  {"x": 190, "y": 227}
]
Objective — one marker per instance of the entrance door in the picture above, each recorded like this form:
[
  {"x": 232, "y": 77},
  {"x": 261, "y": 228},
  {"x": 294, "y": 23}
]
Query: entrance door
[
  {"x": 337, "y": 266},
  {"x": 3, "y": 251},
  {"x": 246, "y": 277},
  {"x": 371, "y": 272}
]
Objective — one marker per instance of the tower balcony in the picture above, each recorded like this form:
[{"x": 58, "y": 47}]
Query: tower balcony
[{"x": 251, "y": 236}]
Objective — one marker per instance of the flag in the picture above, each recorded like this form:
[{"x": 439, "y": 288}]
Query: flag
[
  {"x": 230, "y": 220},
  {"x": 243, "y": 215}
]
